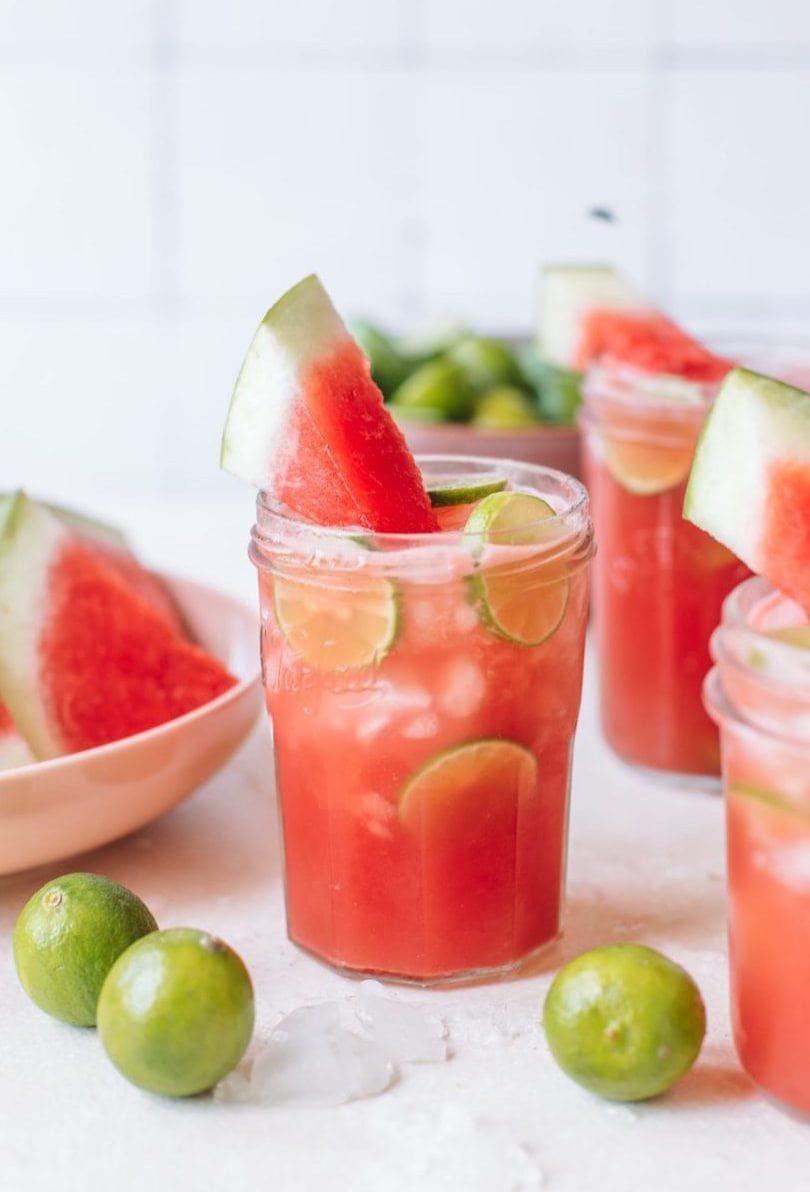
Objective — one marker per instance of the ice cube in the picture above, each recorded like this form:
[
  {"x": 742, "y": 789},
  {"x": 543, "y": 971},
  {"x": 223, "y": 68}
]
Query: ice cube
[
  {"x": 406, "y": 1032},
  {"x": 421, "y": 727},
  {"x": 461, "y": 688},
  {"x": 311, "y": 1059}
]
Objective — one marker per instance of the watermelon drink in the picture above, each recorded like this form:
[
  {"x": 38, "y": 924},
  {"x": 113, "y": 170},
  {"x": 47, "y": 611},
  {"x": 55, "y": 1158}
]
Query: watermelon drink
[
  {"x": 759, "y": 693},
  {"x": 659, "y": 582},
  {"x": 424, "y": 690}
]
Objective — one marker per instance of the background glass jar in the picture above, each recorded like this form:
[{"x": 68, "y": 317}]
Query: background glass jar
[
  {"x": 759, "y": 694},
  {"x": 423, "y": 754},
  {"x": 658, "y": 581}
]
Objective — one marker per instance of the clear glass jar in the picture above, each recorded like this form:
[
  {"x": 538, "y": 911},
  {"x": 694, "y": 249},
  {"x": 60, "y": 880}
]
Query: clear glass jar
[
  {"x": 658, "y": 581},
  {"x": 423, "y": 753},
  {"x": 759, "y": 694}
]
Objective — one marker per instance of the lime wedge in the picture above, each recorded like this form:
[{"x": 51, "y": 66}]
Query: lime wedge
[
  {"x": 478, "y": 777},
  {"x": 337, "y": 625},
  {"x": 524, "y": 604},
  {"x": 464, "y": 491}
]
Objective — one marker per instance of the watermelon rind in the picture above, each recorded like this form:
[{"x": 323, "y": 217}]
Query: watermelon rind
[
  {"x": 754, "y": 421},
  {"x": 29, "y": 538},
  {"x": 303, "y": 326},
  {"x": 567, "y": 293}
]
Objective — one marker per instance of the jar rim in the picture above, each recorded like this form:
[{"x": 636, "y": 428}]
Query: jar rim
[
  {"x": 567, "y": 534},
  {"x": 272, "y": 515},
  {"x": 630, "y": 387}
]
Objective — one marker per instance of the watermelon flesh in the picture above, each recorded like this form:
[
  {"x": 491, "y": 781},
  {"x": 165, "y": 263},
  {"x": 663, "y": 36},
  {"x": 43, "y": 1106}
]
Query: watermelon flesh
[
  {"x": 647, "y": 341},
  {"x": 750, "y": 481},
  {"x": 308, "y": 425},
  {"x": 592, "y": 314},
  {"x": 85, "y": 658},
  {"x": 14, "y": 749}
]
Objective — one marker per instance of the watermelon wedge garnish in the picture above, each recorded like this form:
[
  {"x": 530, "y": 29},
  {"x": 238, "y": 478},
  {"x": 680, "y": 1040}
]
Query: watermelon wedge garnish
[
  {"x": 86, "y": 657},
  {"x": 590, "y": 313},
  {"x": 14, "y": 749},
  {"x": 308, "y": 425},
  {"x": 750, "y": 481}
]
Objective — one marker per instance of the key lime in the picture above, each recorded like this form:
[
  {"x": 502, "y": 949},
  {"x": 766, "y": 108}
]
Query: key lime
[
  {"x": 505, "y": 408},
  {"x": 486, "y": 362},
  {"x": 438, "y": 385},
  {"x": 624, "y": 1021},
  {"x": 338, "y": 623},
  {"x": 522, "y": 600},
  {"x": 176, "y": 1012},
  {"x": 67, "y": 937},
  {"x": 463, "y": 491}
]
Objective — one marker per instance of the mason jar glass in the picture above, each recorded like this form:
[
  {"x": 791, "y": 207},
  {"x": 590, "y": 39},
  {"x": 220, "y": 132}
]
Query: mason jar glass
[
  {"x": 658, "y": 581},
  {"x": 424, "y": 692},
  {"x": 759, "y": 694}
]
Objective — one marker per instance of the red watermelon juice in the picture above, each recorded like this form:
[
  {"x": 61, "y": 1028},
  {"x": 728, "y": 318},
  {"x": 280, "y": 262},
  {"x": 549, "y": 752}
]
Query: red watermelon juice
[
  {"x": 658, "y": 581},
  {"x": 759, "y": 693},
  {"x": 424, "y": 691}
]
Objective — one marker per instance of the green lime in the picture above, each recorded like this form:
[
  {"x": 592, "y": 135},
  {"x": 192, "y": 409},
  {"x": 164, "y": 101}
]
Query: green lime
[
  {"x": 407, "y": 415},
  {"x": 463, "y": 491},
  {"x": 559, "y": 391},
  {"x": 176, "y": 1012},
  {"x": 505, "y": 408},
  {"x": 67, "y": 937},
  {"x": 524, "y": 604},
  {"x": 438, "y": 385},
  {"x": 486, "y": 362},
  {"x": 624, "y": 1021},
  {"x": 389, "y": 368}
]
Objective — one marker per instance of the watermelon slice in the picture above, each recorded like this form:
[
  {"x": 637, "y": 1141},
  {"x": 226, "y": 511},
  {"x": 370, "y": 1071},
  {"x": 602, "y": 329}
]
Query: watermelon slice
[
  {"x": 14, "y": 749},
  {"x": 307, "y": 424},
  {"x": 85, "y": 659},
  {"x": 750, "y": 481},
  {"x": 590, "y": 313}
]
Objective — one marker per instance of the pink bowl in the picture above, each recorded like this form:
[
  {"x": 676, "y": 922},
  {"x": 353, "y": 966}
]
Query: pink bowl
[
  {"x": 53, "y": 809},
  {"x": 553, "y": 446}
]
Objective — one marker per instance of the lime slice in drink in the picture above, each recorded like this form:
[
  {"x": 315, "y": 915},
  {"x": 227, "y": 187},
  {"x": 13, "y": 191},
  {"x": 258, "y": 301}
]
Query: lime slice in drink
[
  {"x": 337, "y": 623},
  {"x": 521, "y": 602},
  {"x": 459, "y": 783},
  {"x": 624, "y": 1021},
  {"x": 646, "y": 468},
  {"x": 176, "y": 1012},
  {"x": 463, "y": 491}
]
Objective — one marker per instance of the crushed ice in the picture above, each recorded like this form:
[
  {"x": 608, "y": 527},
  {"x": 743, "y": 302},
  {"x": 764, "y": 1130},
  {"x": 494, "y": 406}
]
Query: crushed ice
[{"x": 337, "y": 1051}]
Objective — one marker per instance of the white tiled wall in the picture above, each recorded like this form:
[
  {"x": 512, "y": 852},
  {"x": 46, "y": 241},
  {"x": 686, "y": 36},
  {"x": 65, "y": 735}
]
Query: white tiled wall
[{"x": 167, "y": 167}]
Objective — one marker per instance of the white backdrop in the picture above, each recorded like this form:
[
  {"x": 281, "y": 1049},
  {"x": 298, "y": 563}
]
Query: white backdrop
[{"x": 167, "y": 167}]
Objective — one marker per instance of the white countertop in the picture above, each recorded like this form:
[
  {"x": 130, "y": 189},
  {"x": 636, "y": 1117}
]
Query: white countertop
[{"x": 645, "y": 864}]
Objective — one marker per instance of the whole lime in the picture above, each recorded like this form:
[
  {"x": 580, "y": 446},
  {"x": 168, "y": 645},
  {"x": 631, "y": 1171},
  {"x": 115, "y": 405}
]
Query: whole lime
[
  {"x": 624, "y": 1021},
  {"x": 176, "y": 1012},
  {"x": 67, "y": 937}
]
